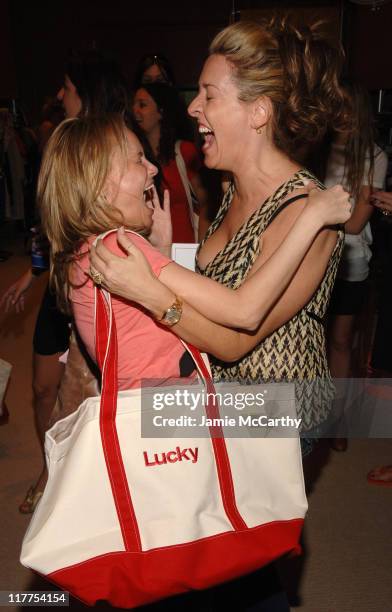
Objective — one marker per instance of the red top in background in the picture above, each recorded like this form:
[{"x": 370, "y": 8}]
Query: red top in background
[{"x": 182, "y": 225}]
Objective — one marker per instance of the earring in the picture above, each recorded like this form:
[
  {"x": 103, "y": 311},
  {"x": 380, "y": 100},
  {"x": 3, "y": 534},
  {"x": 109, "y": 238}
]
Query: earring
[{"x": 259, "y": 130}]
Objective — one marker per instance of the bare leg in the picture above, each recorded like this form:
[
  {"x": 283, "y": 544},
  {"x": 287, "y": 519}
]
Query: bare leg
[
  {"x": 340, "y": 340},
  {"x": 47, "y": 375}
]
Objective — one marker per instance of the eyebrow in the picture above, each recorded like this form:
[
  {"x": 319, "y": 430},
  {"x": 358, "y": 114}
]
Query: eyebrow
[{"x": 208, "y": 85}]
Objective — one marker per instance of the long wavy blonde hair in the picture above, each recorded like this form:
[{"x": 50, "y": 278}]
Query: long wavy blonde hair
[{"x": 71, "y": 191}]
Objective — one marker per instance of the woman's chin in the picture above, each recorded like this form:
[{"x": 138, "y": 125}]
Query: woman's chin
[
  {"x": 213, "y": 163},
  {"x": 210, "y": 162},
  {"x": 148, "y": 226},
  {"x": 212, "y": 159},
  {"x": 143, "y": 227}
]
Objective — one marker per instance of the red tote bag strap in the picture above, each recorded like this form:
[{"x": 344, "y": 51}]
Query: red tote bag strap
[
  {"x": 106, "y": 351},
  {"x": 107, "y": 358},
  {"x": 219, "y": 445}
]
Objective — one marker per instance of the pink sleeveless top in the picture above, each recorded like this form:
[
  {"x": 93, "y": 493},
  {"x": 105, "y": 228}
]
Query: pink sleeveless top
[{"x": 146, "y": 350}]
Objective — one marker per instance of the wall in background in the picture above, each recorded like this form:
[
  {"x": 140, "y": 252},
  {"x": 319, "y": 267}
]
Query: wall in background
[
  {"x": 43, "y": 34},
  {"x": 38, "y": 35},
  {"x": 369, "y": 45},
  {"x": 8, "y": 85}
]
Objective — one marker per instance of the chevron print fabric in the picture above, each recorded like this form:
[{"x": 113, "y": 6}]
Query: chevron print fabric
[{"x": 295, "y": 351}]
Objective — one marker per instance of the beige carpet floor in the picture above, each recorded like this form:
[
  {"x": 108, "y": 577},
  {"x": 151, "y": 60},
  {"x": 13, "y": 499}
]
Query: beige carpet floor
[{"x": 347, "y": 560}]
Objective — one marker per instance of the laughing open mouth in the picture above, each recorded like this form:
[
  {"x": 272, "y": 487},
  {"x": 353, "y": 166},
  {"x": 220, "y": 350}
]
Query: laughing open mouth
[
  {"x": 148, "y": 195},
  {"x": 207, "y": 134}
]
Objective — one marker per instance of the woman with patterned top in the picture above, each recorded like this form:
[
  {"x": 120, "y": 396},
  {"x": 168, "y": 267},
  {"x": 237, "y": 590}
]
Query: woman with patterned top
[
  {"x": 261, "y": 105},
  {"x": 259, "y": 89}
]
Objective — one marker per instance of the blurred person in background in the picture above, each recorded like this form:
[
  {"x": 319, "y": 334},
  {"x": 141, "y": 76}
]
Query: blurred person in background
[
  {"x": 161, "y": 114},
  {"x": 52, "y": 114},
  {"x": 93, "y": 84},
  {"x": 153, "y": 68},
  {"x": 381, "y": 359},
  {"x": 358, "y": 163}
]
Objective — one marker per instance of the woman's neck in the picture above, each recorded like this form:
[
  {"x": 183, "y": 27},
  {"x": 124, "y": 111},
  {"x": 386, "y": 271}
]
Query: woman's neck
[{"x": 255, "y": 182}]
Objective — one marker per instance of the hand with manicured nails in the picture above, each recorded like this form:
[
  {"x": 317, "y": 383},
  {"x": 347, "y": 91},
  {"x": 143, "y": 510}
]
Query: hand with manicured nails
[
  {"x": 382, "y": 200},
  {"x": 161, "y": 232},
  {"x": 117, "y": 271}
]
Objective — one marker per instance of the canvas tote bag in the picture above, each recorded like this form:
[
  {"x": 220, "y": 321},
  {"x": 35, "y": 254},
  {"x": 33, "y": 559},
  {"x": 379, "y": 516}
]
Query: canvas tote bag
[{"x": 111, "y": 527}]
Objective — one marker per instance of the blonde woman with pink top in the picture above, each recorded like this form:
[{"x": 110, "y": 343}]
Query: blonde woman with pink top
[{"x": 94, "y": 178}]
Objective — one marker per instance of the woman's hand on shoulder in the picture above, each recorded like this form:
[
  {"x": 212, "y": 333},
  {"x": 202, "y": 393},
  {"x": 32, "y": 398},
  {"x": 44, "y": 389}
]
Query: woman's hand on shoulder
[
  {"x": 329, "y": 206},
  {"x": 127, "y": 276}
]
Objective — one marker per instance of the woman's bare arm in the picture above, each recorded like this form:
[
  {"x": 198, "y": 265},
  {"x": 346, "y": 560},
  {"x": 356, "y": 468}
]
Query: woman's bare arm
[
  {"x": 231, "y": 344},
  {"x": 244, "y": 308},
  {"x": 362, "y": 212}
]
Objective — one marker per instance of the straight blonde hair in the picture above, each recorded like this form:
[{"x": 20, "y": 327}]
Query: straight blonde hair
[{"x": 71, "y": 191}]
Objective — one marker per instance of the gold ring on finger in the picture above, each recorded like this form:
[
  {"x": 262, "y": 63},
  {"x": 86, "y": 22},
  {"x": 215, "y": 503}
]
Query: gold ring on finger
[{"x": 96, "y": 276}]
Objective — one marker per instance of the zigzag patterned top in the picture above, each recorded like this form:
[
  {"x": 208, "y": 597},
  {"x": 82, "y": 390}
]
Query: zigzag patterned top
[{"x": 295, "y": 351}]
